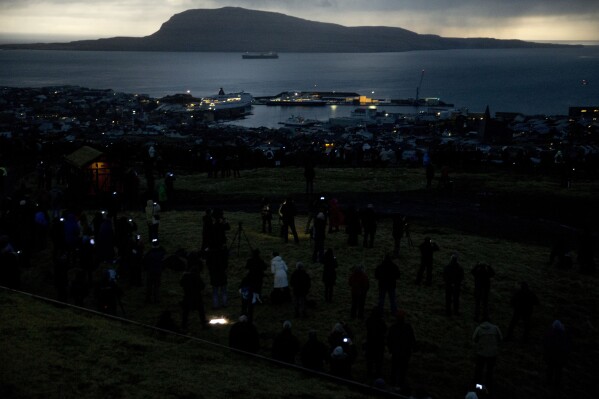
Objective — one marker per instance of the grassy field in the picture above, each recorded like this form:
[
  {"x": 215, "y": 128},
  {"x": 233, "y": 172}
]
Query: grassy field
[{"x": 443, "y": 363}]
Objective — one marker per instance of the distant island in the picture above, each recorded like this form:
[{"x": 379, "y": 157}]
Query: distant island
[{"x": 234, "y": 29}]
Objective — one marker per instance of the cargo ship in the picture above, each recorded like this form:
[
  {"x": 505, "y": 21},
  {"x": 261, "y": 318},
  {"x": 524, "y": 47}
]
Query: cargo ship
[{"x": 260, "y": 56}]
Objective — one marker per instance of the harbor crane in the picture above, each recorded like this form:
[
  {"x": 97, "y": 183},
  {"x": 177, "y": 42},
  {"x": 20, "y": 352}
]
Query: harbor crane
[{"x": 418, "y": 89}]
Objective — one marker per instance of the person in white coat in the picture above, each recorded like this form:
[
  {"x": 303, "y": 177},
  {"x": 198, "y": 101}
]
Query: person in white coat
[{"x": 278, "y": 267}]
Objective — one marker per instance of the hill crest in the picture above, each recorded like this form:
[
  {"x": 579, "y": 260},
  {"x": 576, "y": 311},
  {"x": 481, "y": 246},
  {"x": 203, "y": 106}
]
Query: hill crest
[{"x": 235, "y": 29}]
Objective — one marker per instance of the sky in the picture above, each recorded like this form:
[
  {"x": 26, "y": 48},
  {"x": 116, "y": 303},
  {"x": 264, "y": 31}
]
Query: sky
[{"x": 535, "y": 20}]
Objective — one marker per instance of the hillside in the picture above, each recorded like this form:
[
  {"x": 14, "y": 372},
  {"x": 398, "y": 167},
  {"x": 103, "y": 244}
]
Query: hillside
[{"x": 232, "y": 29}]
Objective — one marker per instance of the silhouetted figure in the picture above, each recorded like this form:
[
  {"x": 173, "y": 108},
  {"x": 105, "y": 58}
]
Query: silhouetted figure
[
  {"x": 341, "y": 363},
  {"x": 287, "y": 212},
  {"x": 108, "y": 293},
  {"x": 483, "y": 274},
  {"x": 335, "y": 215},
  {"x": 300, "y": 282},
  {"x": 329, "y": 274},
  {"x": 319, "y": 232},
  {"x": 400, "y": 226},
  {"x": 243, "y": 336},
  {"x": 217, "y": 259},
  {"x": 401, "y": 342},
  {"x": 285, "y": 345},
  {"x": 556, "y": 347},
  {"x": 256, "y": 268},
  {"x": 427, "y": 249},
  {"x": 376, "y": 329},
  {"x": 387, "y": 274},
  {"x": 248, "y": 299},
  {"x": 523, "y": 302},
  {"x": 353, "y": 226},
  {"x": 369, "y": 223},
  {"x": 359, "y": 285},
  {"x": 266, "y": 215},
  {"x": 193, "y": 288},
  {"x": 486, "y": 339},
  {"x": 453, "y": 275},
  {"x": 314, "y": 353},
  {"x": 152, "y": 219},
  {"x": 153, "y": 265}
]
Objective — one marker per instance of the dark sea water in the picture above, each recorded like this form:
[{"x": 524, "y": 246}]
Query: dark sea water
[{"x": 531, "y": 81}]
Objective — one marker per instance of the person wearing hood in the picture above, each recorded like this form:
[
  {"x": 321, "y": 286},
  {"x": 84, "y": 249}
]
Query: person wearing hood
[
  {"x": 486, "y": 339},
  {"x": 285, "y": 345},
  {"x": 278, "y": 267},
  {"x": 341, "y": 363}
]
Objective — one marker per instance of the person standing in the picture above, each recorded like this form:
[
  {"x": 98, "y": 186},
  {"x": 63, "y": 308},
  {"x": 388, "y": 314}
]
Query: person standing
[
  {"x": 453, "y": 275},
  {"x": 486, "y": 339},
  {"x": 193, "y": 287},
  {"x": 401, "y": 342},
  {"x": 153, "y": 264},
  {"x": 399, "y": 227},
  {"x": 483, "y": 273},
  {"x": 353, "y": 226},
  {"x": 329, "y": 274},
  {"x": 287, "y": 212},
  {"x": 320, "y": 224},
  {"x": 387, "y": 274},
  {"x": 266, "y": 215},
  {"x": 218, "y": 259},
  {"x": 300, "y": 282},
  {"x": 278, "y": 267},
  {"x": 152, "y": 218},
  {"x": 359, "y": 285},
  {"x": 523, "y": 303},
  {"x": 427, "y": 249},
  {"x": 369, "y": 224},
  {"x": 256, "y": 268},
  {"x": 376, "y": 328}
]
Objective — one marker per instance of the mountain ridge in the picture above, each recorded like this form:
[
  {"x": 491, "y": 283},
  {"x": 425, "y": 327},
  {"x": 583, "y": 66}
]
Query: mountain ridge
[{"x": 236, "y": 29}]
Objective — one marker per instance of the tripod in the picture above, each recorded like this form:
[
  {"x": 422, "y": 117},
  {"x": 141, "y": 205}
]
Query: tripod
[{"x": 237, "y": 237}]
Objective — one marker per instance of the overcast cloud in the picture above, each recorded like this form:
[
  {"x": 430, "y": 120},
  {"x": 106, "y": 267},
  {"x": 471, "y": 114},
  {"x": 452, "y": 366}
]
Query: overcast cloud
[{"x": 521, "y": 19}]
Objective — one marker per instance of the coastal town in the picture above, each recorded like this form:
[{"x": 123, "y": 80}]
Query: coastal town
[{"x": 192, "y": 132}]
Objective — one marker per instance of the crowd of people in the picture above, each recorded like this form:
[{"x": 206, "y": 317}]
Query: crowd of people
[{"x": 92, "y": 256}]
